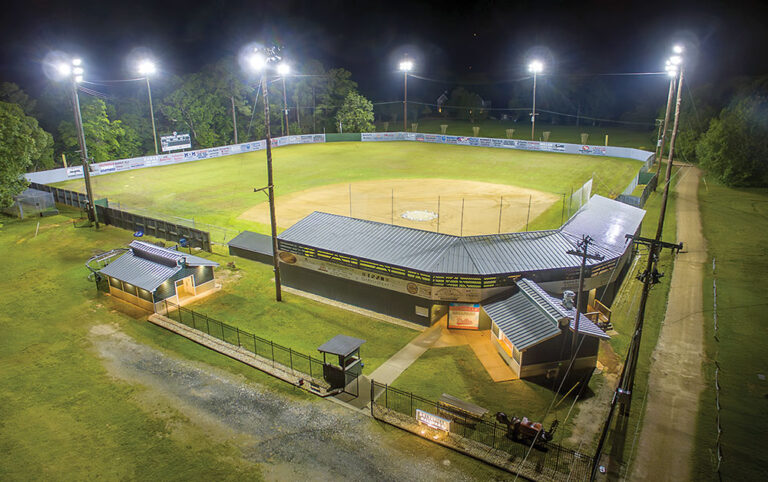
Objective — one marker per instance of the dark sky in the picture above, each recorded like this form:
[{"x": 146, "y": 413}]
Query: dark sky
[{"x": 489, "y": 39}]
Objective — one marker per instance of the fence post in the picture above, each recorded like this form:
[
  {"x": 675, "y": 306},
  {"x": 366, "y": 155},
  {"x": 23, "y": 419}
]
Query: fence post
[
  {"x": 222, "y": 331},
  {"x": 207, "y": 325},
  {"x": 272, "y": 344},
  {"x": 290, "y": 357},
  {"x": 238, "y": 336},
  {"x": 255, "y": 351},
  {"x": 373, "y": 383},
  {"x": 493, "y": 443},
  {"x": 386, "y": 396},
  {"x": 178, "y": 312},
  {"x": 193, "y": 320},
  {"x": 411, "y": 414}
]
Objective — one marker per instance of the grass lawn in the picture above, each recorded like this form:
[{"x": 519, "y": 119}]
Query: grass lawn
[
  {"x": 63, "y": 417},
  {"x": 457, "y": 371},
  {"x": 735, "y": 223},
  {"x": 217, "y": 191},
  {"x": 302, "y": 324},
  {"x": 617, "y": 136}
]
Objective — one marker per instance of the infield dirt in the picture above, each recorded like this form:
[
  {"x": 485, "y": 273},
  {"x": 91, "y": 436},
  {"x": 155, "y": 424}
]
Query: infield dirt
[{"x": 487, "y": 208}]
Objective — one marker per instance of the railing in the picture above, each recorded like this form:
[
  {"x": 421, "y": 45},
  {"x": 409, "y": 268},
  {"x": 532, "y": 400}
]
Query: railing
[
  {"x": 548, "y": 461},
  {"x": 272, "y": 352}
]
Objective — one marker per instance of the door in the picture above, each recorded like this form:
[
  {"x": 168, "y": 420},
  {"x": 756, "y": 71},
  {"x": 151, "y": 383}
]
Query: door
[{"x": 185, "y": 288}]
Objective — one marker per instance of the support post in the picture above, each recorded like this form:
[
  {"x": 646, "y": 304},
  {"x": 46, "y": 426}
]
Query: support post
[{"x": 271, "y": 192}]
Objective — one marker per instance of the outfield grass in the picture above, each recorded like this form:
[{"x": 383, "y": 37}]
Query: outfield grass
[
  {"x": 735, "y": 223},
  {"x": 217, "y": 191},
  {"x": 302, "y": 324},
  {"x": 617, "y": 136}
]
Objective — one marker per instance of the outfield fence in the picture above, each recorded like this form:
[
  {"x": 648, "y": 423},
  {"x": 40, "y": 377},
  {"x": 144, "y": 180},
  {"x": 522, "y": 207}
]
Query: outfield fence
[
  {"x": 158, "y": 228},
  {"x": 482, "y": 438},
  {"x": 280, "y": 357}
]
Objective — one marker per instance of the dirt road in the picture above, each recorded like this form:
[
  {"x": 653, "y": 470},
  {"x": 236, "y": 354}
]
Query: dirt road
[{"x": 676, "y": 380}]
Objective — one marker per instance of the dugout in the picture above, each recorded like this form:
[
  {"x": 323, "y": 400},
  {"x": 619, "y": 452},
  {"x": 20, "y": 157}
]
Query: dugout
[
  {"x": 420, "y": 275},
  {"x": 32, "y": 202},
  {"x": 148, "y": 275},
  {"x": 250, "y": 245}
]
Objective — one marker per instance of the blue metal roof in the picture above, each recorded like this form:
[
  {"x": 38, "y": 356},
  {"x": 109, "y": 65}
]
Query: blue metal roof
[
  {"x": 148, "y": 266},
  {"x": 532, "y": 316},
  {"x": 140, "y": 272},
  {"x": 605, "y": 220}
]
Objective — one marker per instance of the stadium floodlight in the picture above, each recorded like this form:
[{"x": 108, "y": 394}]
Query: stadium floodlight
[
  {"x": 257, "y": 61},
  {"x": 283, "y": 68},
  {"x": 406, "y": 65},
  {"x": 678, "y": 49},
  {"x": 78, "y": 78},
  {"x": 64, "y": 69},
  {"x": 147, "y": 67},
  {"x": 77, "y": 61},
  {"x": 675, "y": 60},
  {"x": 535, "y": 67}
]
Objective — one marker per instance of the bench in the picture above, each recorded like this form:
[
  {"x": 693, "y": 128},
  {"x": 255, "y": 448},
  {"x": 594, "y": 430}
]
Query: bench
[{"x": 459, "y": 410}]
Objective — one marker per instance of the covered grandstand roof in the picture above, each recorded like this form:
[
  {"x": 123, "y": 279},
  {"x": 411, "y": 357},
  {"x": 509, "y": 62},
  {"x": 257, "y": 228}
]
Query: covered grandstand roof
[{"x": 605, "y": 220}]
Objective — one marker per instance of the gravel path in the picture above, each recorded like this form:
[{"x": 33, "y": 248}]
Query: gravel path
[{"x": 290, "y": 439}]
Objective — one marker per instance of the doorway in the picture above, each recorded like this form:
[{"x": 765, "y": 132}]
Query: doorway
[{"x": 185, "y": 288}]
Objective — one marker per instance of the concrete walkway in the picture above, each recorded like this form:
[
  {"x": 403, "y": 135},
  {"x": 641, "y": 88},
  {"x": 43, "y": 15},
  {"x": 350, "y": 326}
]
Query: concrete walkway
[
  {"x": 665, "y": 448},
  {"x": 397, "y": 363}
]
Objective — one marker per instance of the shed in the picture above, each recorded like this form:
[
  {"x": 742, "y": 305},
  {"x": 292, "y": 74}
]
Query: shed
[{"x": 147, "y": 275}]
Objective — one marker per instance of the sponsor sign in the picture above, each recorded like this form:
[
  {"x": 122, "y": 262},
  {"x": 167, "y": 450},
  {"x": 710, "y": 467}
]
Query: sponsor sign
[
  {"x": 422, "y": 311},
  {"x": 462, "y": 316},
  {"x": 107, "y": 167},
  {"x": 175, "y": 142},
  {"x": 433, "y": 421},
  {"x": 75, "y": 171}
]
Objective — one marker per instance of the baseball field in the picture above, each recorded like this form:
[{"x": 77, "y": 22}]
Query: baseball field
[{"x": 453, "y": 189}]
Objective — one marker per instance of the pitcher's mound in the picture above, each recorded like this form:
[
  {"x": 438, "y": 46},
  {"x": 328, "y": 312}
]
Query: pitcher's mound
[{"x": 445, "y": 205}]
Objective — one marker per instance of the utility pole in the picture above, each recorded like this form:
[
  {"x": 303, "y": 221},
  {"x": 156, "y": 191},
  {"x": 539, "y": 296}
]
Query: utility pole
[
  {"x": 533, "y": 113},
  {"x": 234, "y": 116},
  {"x": 583, "y": 246},
  {"x": 675, "y": 126},
  {"x": 285, "y": 109},
  {"x": 84, "y": 154},
  {"x": 665, "y": 126},
  {"x": 405, "y": 101},
  {"x": 152, "y": 115},
  {"x": 271, "y": 191}
]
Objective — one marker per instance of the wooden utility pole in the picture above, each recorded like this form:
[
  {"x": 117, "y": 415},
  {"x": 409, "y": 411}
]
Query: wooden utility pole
[
  {"x": 405, "y": 101},
  {"x": 84, "y": 155},
  {"x": 271, "y": 191},
  {"x": 234, "y": 117},
  {"x": 665, "y": 127},
  {"x": 583, "y": 246},
  {"x": 285, "y": 109},
  {"x": 676, "y": 125}
]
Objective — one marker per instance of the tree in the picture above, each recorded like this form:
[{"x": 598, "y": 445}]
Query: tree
[
  {"x": 332, "y": 94},
  {"x": 356, "y": 114},
  {"x": 469, "y": 105},
  {"x": 105, "y": 139},
  {"x": 22, "y": 144},
  {"x": 734, "y": 148},
  {"x": 11, "y": 93}
]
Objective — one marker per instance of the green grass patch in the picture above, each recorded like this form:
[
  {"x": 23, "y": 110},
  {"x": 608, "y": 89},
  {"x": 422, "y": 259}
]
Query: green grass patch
[
  {"x": 735, "y": 223},
  {"x": 297, "y": 322},
  {"x": 217, "y": 191},
  {"x": 617, "y": 136},
  {"x": 63, "y": 416}
]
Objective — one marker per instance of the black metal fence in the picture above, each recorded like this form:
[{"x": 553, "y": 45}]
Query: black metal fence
[
  {"x": 549, "y": 459},
  {"x": 130, "y": 221},
  {"x": 298, "y": 363}
]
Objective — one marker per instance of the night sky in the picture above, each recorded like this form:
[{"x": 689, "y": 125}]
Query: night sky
[{"x": 483, "y": 40}]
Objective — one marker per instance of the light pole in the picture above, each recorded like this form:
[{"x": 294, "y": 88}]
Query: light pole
[
  {"x": 147, "y": 68},
  {"x": 284, "y": 69},
  {"x": 676, "y": 60},
  {"x": 74, "y": 71},
  {"x": 260, "y": 61},
  {"x": 672, "y": 72},
  {"x": 405, "y": 67},
  {"x": 534, "y": 67}
]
